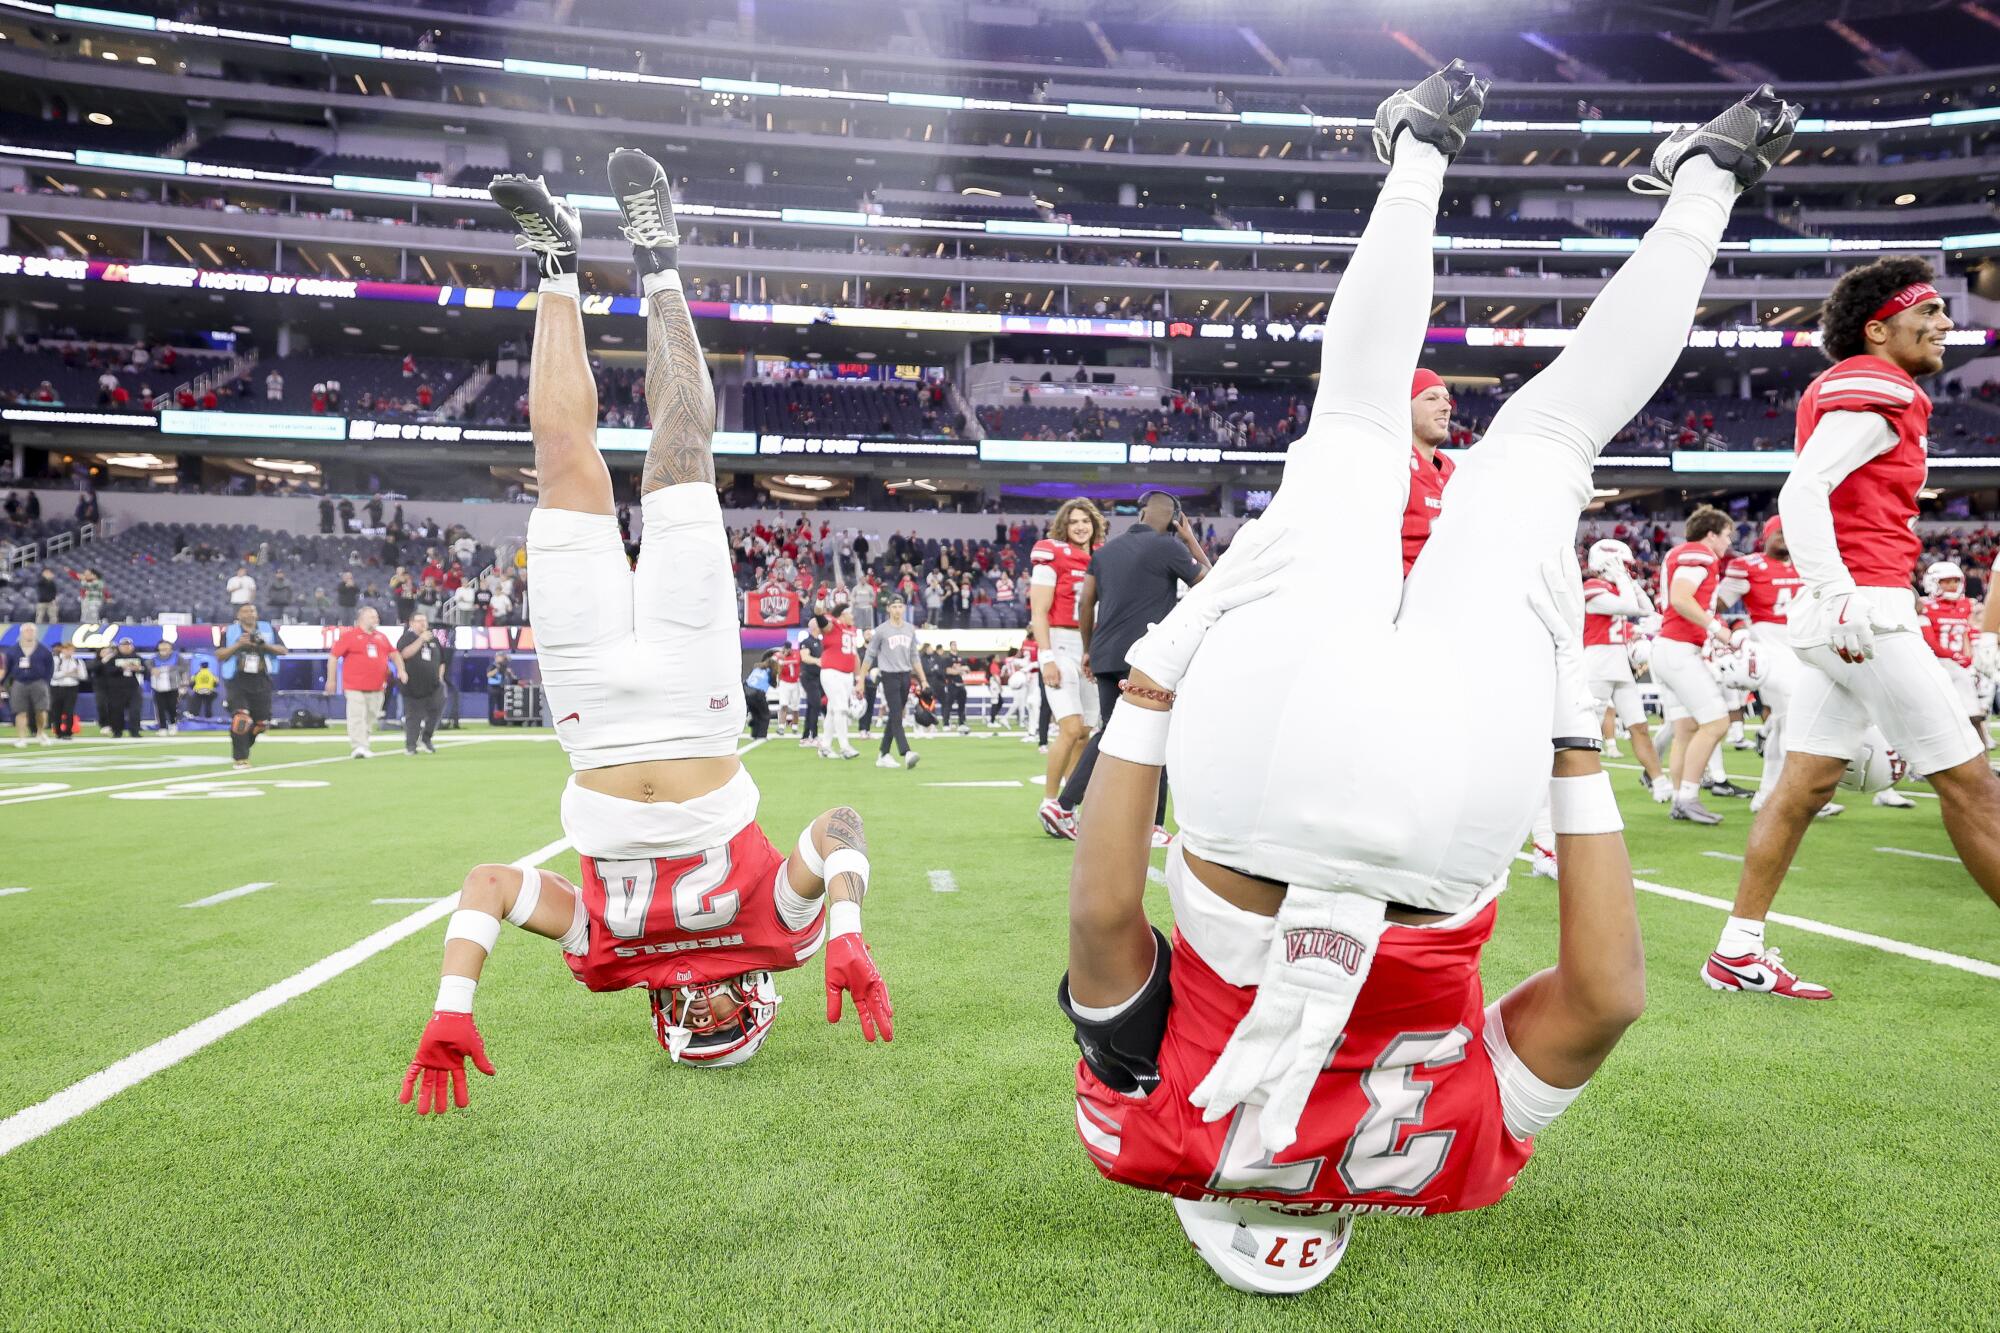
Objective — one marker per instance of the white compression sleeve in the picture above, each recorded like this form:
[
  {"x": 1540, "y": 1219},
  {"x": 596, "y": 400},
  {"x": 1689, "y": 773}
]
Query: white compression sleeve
[{"x": 1840, "y": 443}]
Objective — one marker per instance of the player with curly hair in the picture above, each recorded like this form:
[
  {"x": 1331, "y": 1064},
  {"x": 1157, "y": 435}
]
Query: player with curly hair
[{"x": 1849, "y": 511}]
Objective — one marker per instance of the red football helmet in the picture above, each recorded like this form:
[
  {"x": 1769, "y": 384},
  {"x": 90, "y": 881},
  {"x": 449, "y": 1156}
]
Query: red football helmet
[{"x": 715, "y": 1024}]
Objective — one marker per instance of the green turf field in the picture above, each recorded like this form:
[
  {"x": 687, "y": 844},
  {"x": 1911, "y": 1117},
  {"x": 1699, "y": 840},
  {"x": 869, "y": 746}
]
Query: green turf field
[{"x": 1740, "y": 1163}]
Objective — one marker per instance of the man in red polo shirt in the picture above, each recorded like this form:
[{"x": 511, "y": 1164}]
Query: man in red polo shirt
[
  {"x": 361, "y": 662},
  {"x": 1430, "y": 426}
]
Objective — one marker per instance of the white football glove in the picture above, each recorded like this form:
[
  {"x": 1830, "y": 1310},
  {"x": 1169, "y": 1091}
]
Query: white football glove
[
  {"x": 1557, "y": 598},
  {"x": 1986, "y": 655},
  {"x": 1247, "y": 571},
  {"x": 1845, "y": 622},
  {"x": 1322, "y": 949}
]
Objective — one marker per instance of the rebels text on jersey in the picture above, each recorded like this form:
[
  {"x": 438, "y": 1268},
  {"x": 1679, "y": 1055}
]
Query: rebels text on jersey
[
  {"x": 1406, "y": 1118},
  {"x": 1948, "y": 627},
  {"x": 1768, "y": 586},
  {"x": 1601, "y": 631},
  {"x": 689, "y": 920},
  {"x": 1694, "y": 556},
  {"x": 1875, "y": 506},
  {"x": 1059, "y": 565}
]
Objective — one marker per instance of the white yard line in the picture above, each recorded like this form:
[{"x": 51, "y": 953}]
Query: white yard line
[
  {"x": 1003, "y": 782},
  {"x": 5, "y": 892},
  {"x": 242, "y": 891},
  {"x": 1725, "y": 856},
  {"x": 27, "y": 1125},
  {"x": 1921, "y": 856},
  {"x": 183, "y": 776},
  {"x": 1979, "y": 967},
  {"x": 1740, "y": 778},
  {"x": 943, "y": 881},
  {"x": 379, "y": 901}
]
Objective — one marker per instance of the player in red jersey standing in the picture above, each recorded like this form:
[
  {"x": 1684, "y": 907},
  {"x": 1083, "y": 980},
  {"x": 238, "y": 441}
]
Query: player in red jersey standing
[
  {"x": 839, "y": 659},
  {"x": 791, "y": 693},
  {"x": 1612, "y": 600},
  {"x": 681, "y": 894},
  {"x": 1689, "y": 577},
  {"x": 1947, "y": 620},
  {"x": 1059, "y": 563},
  {"x": 1766, "y": 582},
  {"x": 1314, "y": 1042},
  {"x": 1430, "y": 426},
  {"x": 1850, "y": 509}
]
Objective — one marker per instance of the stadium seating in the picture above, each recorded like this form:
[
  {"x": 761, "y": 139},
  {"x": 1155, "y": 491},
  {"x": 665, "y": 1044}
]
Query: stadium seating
[{"x": 836, "y": 408}]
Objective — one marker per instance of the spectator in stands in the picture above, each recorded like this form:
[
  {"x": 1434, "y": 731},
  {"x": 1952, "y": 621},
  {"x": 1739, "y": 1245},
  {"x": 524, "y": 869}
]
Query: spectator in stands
[
  {"x": 280, "y": 596},
  {"x": 325, "y": 512},
  {"x": 90, "y": 596},
  {"x": 961, "y": 612},
  {"x": 105, "y": 384},
  {"x": 862, "y": 600},
  {"x": 64, "y": 685},
  {"x": 201, "y": 691},
  {"x": 168, "y": 670},
  {"x": 374, "y": 510},
  {"x": 360, "y": 665},
  {"x": 934, "y": 595},
  {"x": 120, "y": 670},
  {"x": 27, "y": 669},
  {"x": 347, "y": 594},
  {"x": 45, "y": 597},
  {"x": 423, "y": 657},
  {"x": 241, "y": 587},
  {"x": 403, "y": 589}
]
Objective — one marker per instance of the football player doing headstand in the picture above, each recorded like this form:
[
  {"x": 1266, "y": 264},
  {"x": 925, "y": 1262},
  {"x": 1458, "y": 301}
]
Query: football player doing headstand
[
  {"x": 681, "y": 891},
  {"x": 1314, "y": 1042}
]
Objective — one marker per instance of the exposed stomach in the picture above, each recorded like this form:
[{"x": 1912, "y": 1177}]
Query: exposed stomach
[{"x": 653, "y": 780}]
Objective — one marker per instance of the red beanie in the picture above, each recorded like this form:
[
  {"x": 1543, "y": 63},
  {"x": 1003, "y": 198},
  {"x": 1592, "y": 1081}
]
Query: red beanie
[
  {"x": 1424, "y": 379},
  {"x": 1774, "y": 523}
]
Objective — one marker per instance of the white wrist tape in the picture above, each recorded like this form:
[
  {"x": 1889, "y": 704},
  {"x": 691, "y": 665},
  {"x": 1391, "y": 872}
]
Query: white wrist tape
[
  {"x": 1584, "y": 805},
  {"x": 469, "y": 923},
  {"x": 843, "y": 918},
  {"x": 808, "y": 854},
  {"x": 527, "y": 900},
  {"x": 846, "y": 861},
  {"x": 455, "y": 995},
  {"x": 1137, "y": 735}
]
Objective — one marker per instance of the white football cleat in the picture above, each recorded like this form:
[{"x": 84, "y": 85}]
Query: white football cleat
[
  {"x": 1541, "y": 861},
  {"x": 1894, "y": 799},
  {"x": 884, "y": 761},
  {"x": 1258, "y": 1248},
  {"x": 1829, "y": 810},
  {"x": 1056, "y": 821}
]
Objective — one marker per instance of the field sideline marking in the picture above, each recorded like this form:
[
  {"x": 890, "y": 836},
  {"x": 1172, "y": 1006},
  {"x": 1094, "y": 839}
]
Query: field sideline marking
[
  {"x": 379, "y": 901},
  {"x": 29, "y": 1124},
  {"x": 999, "y": 782},
  {"x": 1979, "y": 967},
  {"x": 227, "y": 894},
  {"x": 1922, "y": 856},
  {"x": 251, "y": 776}
]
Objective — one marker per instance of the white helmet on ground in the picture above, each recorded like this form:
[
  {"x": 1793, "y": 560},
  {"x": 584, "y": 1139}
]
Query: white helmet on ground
[
  {"x": 1609, "y": 559},
  {"x": 1262, "y": 1248},
  {"x": 1877, "y": 767},
  {"x": 1938, "y": 573},
  {"x": 1741, "y": 669}
]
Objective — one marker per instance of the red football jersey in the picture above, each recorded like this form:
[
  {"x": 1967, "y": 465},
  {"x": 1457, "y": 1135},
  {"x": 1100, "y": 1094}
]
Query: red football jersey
[
  {"x": 1772, "y": 585},
  {"x": 1059, "y": 565},
  {"x": 788, "y": 666},
  {"x": 1427, "y": 482},
  {"x": 841, "y": 641},
  {"x": 1688, "y": 555},
  {"x": 1948, "y": 627},
  {"x": 689, "y": 920},
  {"x": 1602, "y": 631},
  {"x": 1405, "y": 1119},
  {"x": 1875, "y": 508}
]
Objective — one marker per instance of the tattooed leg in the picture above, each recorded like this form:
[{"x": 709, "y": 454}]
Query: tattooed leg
[
  {"x": 837, "y": 828},
  {"x": 679, "y": 395}
]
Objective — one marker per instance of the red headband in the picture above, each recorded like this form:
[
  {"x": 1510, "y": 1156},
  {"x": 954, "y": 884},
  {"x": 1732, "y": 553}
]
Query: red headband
[
  {"x": 1425, "y": 379},
  {"x": 1903, "y": 300},
  {"x": 1775, "y": 523}
]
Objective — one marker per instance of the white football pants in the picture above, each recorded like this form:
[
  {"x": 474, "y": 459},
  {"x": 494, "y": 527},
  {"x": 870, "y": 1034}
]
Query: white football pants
[{"x": 1269, "y": 779}]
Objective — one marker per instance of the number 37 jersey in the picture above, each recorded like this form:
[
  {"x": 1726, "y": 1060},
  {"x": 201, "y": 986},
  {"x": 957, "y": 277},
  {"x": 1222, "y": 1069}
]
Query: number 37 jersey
[
  {"x": 684, "y": 920},
  {"x": 1405, "y": 1120}
]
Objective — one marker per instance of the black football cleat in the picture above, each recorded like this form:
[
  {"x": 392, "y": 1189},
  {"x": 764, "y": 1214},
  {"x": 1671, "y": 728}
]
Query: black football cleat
[
  {"x": 1440, "y": 111},
  {"x": 640, "y": 186},
  {"x": 550, "y": 228},
  {"x": 1725, "y": 788},
  {"x": 1746, "y": 140}
]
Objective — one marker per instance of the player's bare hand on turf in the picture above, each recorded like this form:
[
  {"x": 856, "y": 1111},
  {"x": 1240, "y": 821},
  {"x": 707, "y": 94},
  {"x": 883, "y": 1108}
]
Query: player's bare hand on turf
[
  {"x": 849, "y": 969},
  {"x": 438, "y": 1068}
]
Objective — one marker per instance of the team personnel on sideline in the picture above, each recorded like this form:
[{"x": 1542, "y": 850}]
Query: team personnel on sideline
[
  {"x": 248, "y": 647},
  {"x": 681, "y": 893},
  {"x": 1688, "y": 579},
  {"x": 893, "y": 656},
  {"x": 1060, "y": 561},
  {"x": 26, "y": 670},
  {"x": 1849, "y": 508},
  {"x": 1332, "y": 887},
  {"x": 359, "y": 665},
  {"x": 1947, "y": 619},
  {"x": 1612, "y": 600}
]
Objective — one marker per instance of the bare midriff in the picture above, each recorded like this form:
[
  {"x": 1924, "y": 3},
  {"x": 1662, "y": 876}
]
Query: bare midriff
[
  {"x": 1253, "y": 893},
  {"x": 657, "y": 780}
]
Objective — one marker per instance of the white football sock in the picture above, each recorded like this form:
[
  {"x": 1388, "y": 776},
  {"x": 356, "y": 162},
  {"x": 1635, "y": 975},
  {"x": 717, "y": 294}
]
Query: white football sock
[
  {"x": 654, "y": 283},
  {"x": 562, "y": 284},
  {"x": 1715, "y": 772},
  {"x": 1741, "y": 936},
  {"x": 1689, "y": 791}
]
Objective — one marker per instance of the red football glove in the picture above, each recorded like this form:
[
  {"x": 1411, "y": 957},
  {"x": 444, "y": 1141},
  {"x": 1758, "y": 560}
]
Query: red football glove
[
  {"x": 850, "y": 969},
  {"x": 448, "y": 1040}
]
